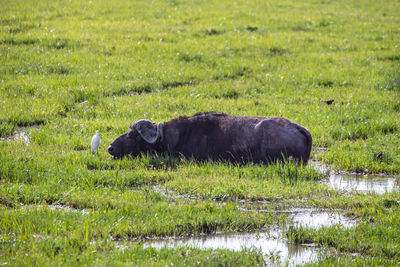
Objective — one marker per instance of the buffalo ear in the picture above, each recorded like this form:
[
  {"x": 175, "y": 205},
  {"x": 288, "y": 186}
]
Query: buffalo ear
[{"x": 147, "y": 130}]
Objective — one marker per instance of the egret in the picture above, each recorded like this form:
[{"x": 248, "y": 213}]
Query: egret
[{"x": 95, "y": 142}]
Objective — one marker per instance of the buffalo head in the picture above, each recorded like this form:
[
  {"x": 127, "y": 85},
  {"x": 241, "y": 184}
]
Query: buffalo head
[{"x": 141, "y": 138}]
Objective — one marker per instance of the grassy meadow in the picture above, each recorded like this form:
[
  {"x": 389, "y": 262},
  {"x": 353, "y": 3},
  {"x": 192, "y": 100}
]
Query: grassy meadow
[{"x": 69, "y": 68}]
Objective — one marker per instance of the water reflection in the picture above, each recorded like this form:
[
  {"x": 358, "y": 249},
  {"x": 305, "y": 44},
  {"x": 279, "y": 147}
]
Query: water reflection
[
  {"x": 379, "y": 184},
  {"x": 271, "y": 243},
  {"x": 317, "y": 219},
  {"x": 272, "y": 246},
  {"x": 363, "y": 183}
]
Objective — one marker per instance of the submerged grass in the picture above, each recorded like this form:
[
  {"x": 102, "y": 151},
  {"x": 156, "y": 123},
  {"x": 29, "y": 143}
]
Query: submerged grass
[{"x": 72, "y": 67}]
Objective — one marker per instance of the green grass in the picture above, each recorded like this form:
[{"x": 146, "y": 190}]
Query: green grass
[
  {"x": 69, "y": 68},
  {"x": 375, "y": 236}
]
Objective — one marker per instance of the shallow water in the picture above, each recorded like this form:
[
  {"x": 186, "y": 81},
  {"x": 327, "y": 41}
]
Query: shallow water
[
  {"x": 271, "y": 245},
  {"x": 317, "y": 219},
  {"x": 379, "y": 184},
  {"x": 22, "y": 134},
  {"x": 57, "y": 207},
  {"x": 363, "y": 183},
  {"x": 68, "y": 209}
]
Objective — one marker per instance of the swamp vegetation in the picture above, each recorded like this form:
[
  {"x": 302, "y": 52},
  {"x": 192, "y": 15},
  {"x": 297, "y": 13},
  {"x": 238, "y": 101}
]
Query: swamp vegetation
[{"x": 69, "y": 68}]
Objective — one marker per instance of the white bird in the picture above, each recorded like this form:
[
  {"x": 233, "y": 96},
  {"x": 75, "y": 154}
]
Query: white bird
[{"x": 95, "y": 142}]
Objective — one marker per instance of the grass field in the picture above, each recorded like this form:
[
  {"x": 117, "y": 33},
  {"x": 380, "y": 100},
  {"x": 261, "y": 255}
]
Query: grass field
[{"x": 69, "y": 68}]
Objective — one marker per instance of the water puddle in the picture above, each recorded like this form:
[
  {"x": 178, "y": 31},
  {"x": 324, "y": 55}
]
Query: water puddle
[
  {"x": 317, "y": 219},
  {"x": 363, "y": 183},
  {"x": 272, "y": 246},
  {"x": 271, "y": 243},
  {"x": 22, "y": 134},
  {"x": 57, "y": 207},
  {"x": 19, "y": 136},
  {"x": 67, "y": 209},
  {"x": 379, "y": 184}
]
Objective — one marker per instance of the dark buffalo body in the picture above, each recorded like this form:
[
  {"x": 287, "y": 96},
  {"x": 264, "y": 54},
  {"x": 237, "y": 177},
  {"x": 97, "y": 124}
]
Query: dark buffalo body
[{"x": 218, "y": 137}]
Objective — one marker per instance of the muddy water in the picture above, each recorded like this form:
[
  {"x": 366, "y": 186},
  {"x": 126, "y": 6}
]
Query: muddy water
[{"x": 379, "y": 184}]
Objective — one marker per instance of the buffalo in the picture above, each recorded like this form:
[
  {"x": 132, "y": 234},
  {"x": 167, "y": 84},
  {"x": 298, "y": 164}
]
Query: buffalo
[{"x": 217, "y": 136}]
